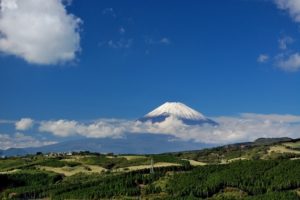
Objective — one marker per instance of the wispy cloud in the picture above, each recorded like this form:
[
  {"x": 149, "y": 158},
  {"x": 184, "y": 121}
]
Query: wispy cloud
[
  {"x": 152, "y": 41},
  {"x": 284, "y": 42},
  {"x": 54, "y": 37},
  {"x": 262, "y": 58},
  {"x": 165, "y": 40},
  {"x": 120, "y": 44},
  {"x": 6, "y": 121},
  {"x": 124, "y": 37},
  {"x": 122, "y": 30},
  {"x": 110, "y": 12}
]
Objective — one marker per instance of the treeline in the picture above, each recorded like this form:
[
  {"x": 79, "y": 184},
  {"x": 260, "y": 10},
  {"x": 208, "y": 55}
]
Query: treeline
[
  {"x": 28, "y": 178},
  {"x": 224, "y": 153},
  {"x": 29, "y": 162}
]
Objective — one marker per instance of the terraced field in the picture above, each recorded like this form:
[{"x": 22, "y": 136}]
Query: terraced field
[
  {"x": 294, "y": 145},
  {"x": 282, "y": 149},
  {"x": 70, "y": 171}
]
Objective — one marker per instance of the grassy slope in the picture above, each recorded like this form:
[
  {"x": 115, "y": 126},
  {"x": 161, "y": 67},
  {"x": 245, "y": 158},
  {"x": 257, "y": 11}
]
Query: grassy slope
[{"x": 248, "y": 151}]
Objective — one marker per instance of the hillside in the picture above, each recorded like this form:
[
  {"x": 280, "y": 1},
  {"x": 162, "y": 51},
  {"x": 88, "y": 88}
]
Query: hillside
[
  {"x": 262, "y": 148},
  {"x": 264, "y": 169}
]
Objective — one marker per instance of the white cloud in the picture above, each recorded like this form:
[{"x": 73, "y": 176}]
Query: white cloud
[
  {"x": 100, "y": 129},
  {"x": 61, "y": 128},
  {"x": 24, "y": 124},
  {"x": 20, "y": 140},
  {"x": 246, "y": 127},
  {"x": 103, "y": 128},
  {"x": 284, "y": 42},
  {"x": 290, "y": 63},
  {"x": 39, "y": 31},
  {"x": 262, "y": 58},
  {"x": 292, "y": 6}
]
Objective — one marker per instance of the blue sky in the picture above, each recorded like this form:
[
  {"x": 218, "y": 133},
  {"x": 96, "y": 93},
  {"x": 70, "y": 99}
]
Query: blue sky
[{"x": 219, "y": 57}]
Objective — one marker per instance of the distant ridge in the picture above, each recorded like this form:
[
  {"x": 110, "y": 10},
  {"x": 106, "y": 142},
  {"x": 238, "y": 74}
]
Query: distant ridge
[
  {"x": 267, "y": 141},
  {"x": 142, "y": 143}
]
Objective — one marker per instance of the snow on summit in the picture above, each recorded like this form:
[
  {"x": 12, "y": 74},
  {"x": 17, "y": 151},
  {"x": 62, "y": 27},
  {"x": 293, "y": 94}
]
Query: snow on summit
[{"x": 176, "y": 109}]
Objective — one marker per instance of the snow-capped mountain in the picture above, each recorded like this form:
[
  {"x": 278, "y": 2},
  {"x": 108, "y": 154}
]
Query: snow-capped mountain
[{"x": 178, "y": 110}]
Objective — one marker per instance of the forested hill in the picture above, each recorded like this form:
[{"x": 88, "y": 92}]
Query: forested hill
[
  {"x": 262, "y": 148},
  {"x": 265, "y": 169}
]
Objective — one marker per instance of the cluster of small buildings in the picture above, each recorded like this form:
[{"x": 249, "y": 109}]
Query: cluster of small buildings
[{"x": 57, "y": 154}]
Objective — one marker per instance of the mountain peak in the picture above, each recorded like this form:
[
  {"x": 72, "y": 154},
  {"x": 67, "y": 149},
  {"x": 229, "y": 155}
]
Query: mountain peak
[{"x": 178, "y": 110}]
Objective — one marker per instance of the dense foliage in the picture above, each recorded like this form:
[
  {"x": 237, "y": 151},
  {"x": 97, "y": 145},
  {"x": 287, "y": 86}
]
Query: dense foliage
[
  {"x": 257, "y": 179},
  {"x": 218, "y": 154},
  {"x": 82, "y": 186},
  {"x": 253, "y": 177}
]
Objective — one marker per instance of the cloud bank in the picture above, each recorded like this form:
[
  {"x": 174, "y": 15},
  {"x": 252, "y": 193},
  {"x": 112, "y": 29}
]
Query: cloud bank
[
  {"x": 19, "y": 140},
  {"x": 100, "y": 129},
  {"x": 39, "y": 31},
  {"x": 245, "y": 127}
]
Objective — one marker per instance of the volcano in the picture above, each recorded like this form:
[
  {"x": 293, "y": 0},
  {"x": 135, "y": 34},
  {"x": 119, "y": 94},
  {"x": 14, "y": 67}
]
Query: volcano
[{"x": 179, "y": 111}]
